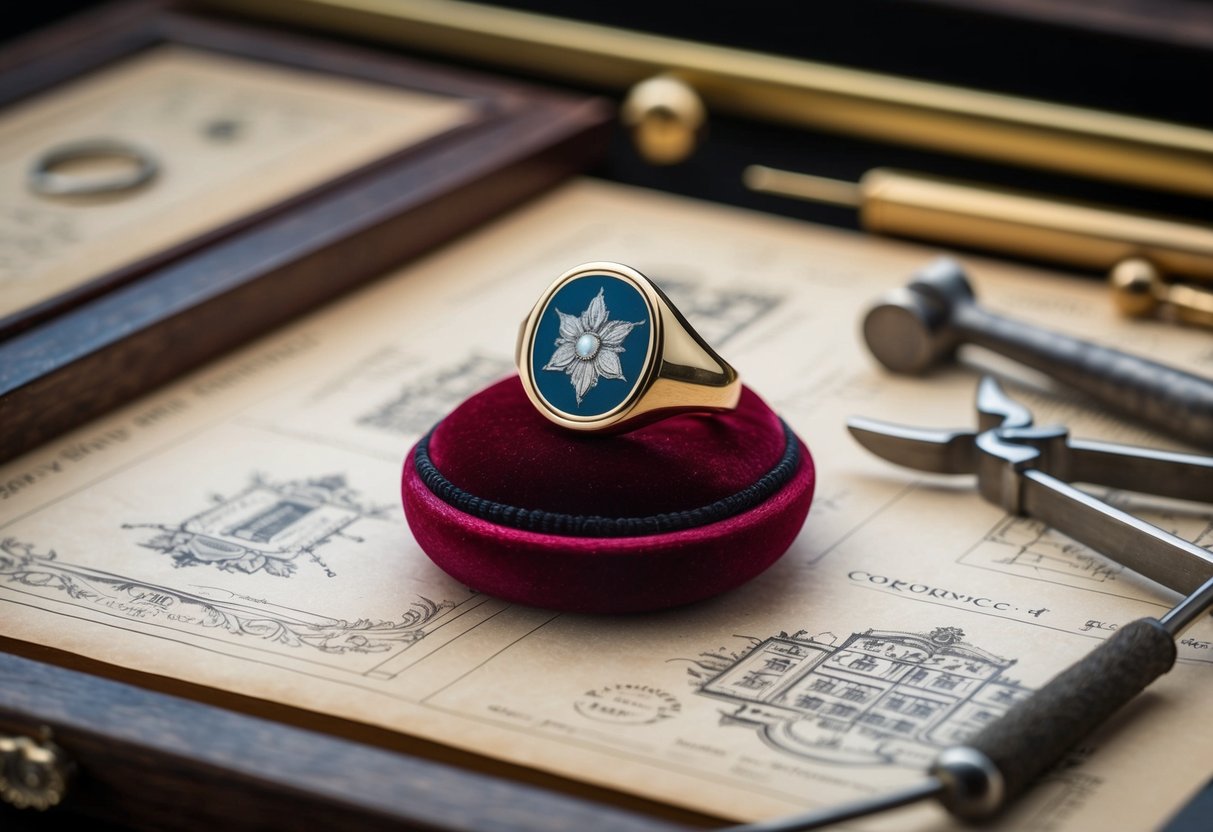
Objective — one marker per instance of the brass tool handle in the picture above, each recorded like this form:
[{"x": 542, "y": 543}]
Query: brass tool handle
[
  {"x": 1136, "y": 249},
  {"x": 1038, "y": 731},
  {"x": 1189, "y": 304},
  {"x": 1071, "y": 233}
]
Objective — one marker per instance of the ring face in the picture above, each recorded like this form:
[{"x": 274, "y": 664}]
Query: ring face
[
  {"x": 603, "y": 350},
  {"x": 591, "y": 345}
]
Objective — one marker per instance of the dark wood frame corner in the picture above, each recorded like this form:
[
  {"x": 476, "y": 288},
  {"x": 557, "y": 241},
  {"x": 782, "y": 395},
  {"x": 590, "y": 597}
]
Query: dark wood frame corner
[
  {"x": 127, "y": 332},
  {"x": 148, "y": 760}
]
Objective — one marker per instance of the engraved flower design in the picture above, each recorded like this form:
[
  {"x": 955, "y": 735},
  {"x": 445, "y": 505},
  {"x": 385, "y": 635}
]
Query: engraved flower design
[{"x": 589, "y": 345}]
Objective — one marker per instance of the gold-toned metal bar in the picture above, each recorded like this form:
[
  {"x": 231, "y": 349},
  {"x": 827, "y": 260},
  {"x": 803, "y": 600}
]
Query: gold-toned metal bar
[
  {"x": 1135, "y": 249},
  {"x": 979, "y": 216},
  {"x": 1070, "y": 233},
  {"x": 954, "y": 120},
  {"x": 803, "y": 186}
]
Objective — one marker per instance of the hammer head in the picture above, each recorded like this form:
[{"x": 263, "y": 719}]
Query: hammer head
[{"x": 911, "y": 329}]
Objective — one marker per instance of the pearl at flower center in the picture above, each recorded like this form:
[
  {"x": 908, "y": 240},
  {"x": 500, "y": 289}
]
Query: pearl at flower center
[{"x": 587, "y": 346}]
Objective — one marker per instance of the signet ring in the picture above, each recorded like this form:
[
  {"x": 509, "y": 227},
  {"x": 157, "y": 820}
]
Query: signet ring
[{"x": 605, "y": 351}]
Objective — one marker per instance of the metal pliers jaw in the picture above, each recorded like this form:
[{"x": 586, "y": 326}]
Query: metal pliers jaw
[{"x": 1027, "y": 470}]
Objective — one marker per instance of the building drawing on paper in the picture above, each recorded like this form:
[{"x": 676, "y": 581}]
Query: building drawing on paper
[{"x": 880, "y": 697}]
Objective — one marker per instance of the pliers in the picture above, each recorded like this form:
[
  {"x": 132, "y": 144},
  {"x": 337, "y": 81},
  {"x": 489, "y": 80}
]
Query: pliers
[{"x": 1027, "y": 470}]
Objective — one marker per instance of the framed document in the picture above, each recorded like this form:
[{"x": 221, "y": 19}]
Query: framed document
[
  {"x": 171, "y": 185},
  {"x": 212, "y": 597}
]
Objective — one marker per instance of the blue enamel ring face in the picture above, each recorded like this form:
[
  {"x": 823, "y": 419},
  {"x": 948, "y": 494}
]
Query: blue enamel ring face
[{"x": 591, "y": 345}]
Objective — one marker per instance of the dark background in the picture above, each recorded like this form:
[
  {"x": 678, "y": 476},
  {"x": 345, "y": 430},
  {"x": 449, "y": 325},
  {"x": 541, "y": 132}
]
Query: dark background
[{"x": 1151, "y": 58}]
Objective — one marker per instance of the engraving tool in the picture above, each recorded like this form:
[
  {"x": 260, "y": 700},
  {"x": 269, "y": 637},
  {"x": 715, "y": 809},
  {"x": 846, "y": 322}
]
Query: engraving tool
[
  {"x": 977, "y": 780},
  {"x": 921, "y": 325},
  {"x": 1018, "y": 466}
]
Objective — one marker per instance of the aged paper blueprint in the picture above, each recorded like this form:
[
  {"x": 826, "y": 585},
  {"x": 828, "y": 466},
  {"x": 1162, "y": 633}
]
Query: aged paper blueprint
[
  {"x": 241, "y": 530},
  {"x": 231, "y": 137}
]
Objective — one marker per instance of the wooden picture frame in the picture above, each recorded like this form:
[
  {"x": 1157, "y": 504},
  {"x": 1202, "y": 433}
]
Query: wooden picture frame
[
  {"x": 124, "y": 332},
  {"x": 147, "y": 760}
]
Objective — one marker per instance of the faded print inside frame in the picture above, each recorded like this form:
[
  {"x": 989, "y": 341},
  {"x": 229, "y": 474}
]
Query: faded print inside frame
[
  {"x": 229, "y": 136},
  {"x": 242, "y": 530}
]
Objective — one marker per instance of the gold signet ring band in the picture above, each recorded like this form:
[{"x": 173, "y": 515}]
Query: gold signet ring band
[{"x": 604, "y": 350}]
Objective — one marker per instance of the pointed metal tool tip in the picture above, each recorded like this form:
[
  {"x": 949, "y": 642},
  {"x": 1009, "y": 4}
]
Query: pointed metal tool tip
[{"x": 936, "y": 451}]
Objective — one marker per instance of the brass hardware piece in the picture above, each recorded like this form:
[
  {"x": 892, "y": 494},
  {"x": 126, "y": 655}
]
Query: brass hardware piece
[
  {"x": 34, "y": 773},
  {"x": 967, "y": 122},
  {"x": 666, "y": 118},
  {"x": 1136, "y": 249},
  {"x": 1011, "y": 222},
  {"x": 1139, "y": 291}
]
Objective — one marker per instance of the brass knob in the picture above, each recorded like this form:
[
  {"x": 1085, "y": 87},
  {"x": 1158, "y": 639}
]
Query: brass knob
[
  {"x": 1133, "y": 287},
  {"x": 1139, "y": 290},
  {"x": 34, "y": 773},
  {"x": 666, "y": 119}
]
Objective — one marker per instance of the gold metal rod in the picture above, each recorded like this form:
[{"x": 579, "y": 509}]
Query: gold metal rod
[
  {"x": 1010, "y": 222},
  {"x": 763, "y": 179},
  {"x": 954, "y": 120}
]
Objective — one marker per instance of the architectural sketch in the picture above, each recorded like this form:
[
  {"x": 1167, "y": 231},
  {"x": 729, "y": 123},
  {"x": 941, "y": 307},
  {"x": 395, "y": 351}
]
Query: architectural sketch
[
  {"x": 265, "y": 527},
  {"x": 1030, "y": 546},
  {"x": 417, "y": 407},
  {"x": 718, "y": 314},
  {"x": 766, "y": 727},
  {"x": 21, "y": 564},
  {"x": 1023, "y": 546},
  {"x": 878, "y": 698}
]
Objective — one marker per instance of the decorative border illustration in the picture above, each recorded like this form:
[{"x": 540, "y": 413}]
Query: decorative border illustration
[
  {"x": 143, "y": 601},
  {"x": 266, "y": 526}
]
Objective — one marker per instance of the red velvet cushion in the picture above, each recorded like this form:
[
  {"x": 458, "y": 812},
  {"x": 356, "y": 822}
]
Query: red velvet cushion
[{"x": 497, "y": 448}]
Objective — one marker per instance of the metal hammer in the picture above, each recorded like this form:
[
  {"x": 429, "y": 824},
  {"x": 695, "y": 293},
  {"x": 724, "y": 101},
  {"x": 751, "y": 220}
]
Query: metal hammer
[{"x": 917, "y": 327}]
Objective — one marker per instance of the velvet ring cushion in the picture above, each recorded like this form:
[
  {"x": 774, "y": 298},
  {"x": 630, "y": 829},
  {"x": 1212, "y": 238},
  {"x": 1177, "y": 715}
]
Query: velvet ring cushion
[{"x": 678, "y": 511}]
